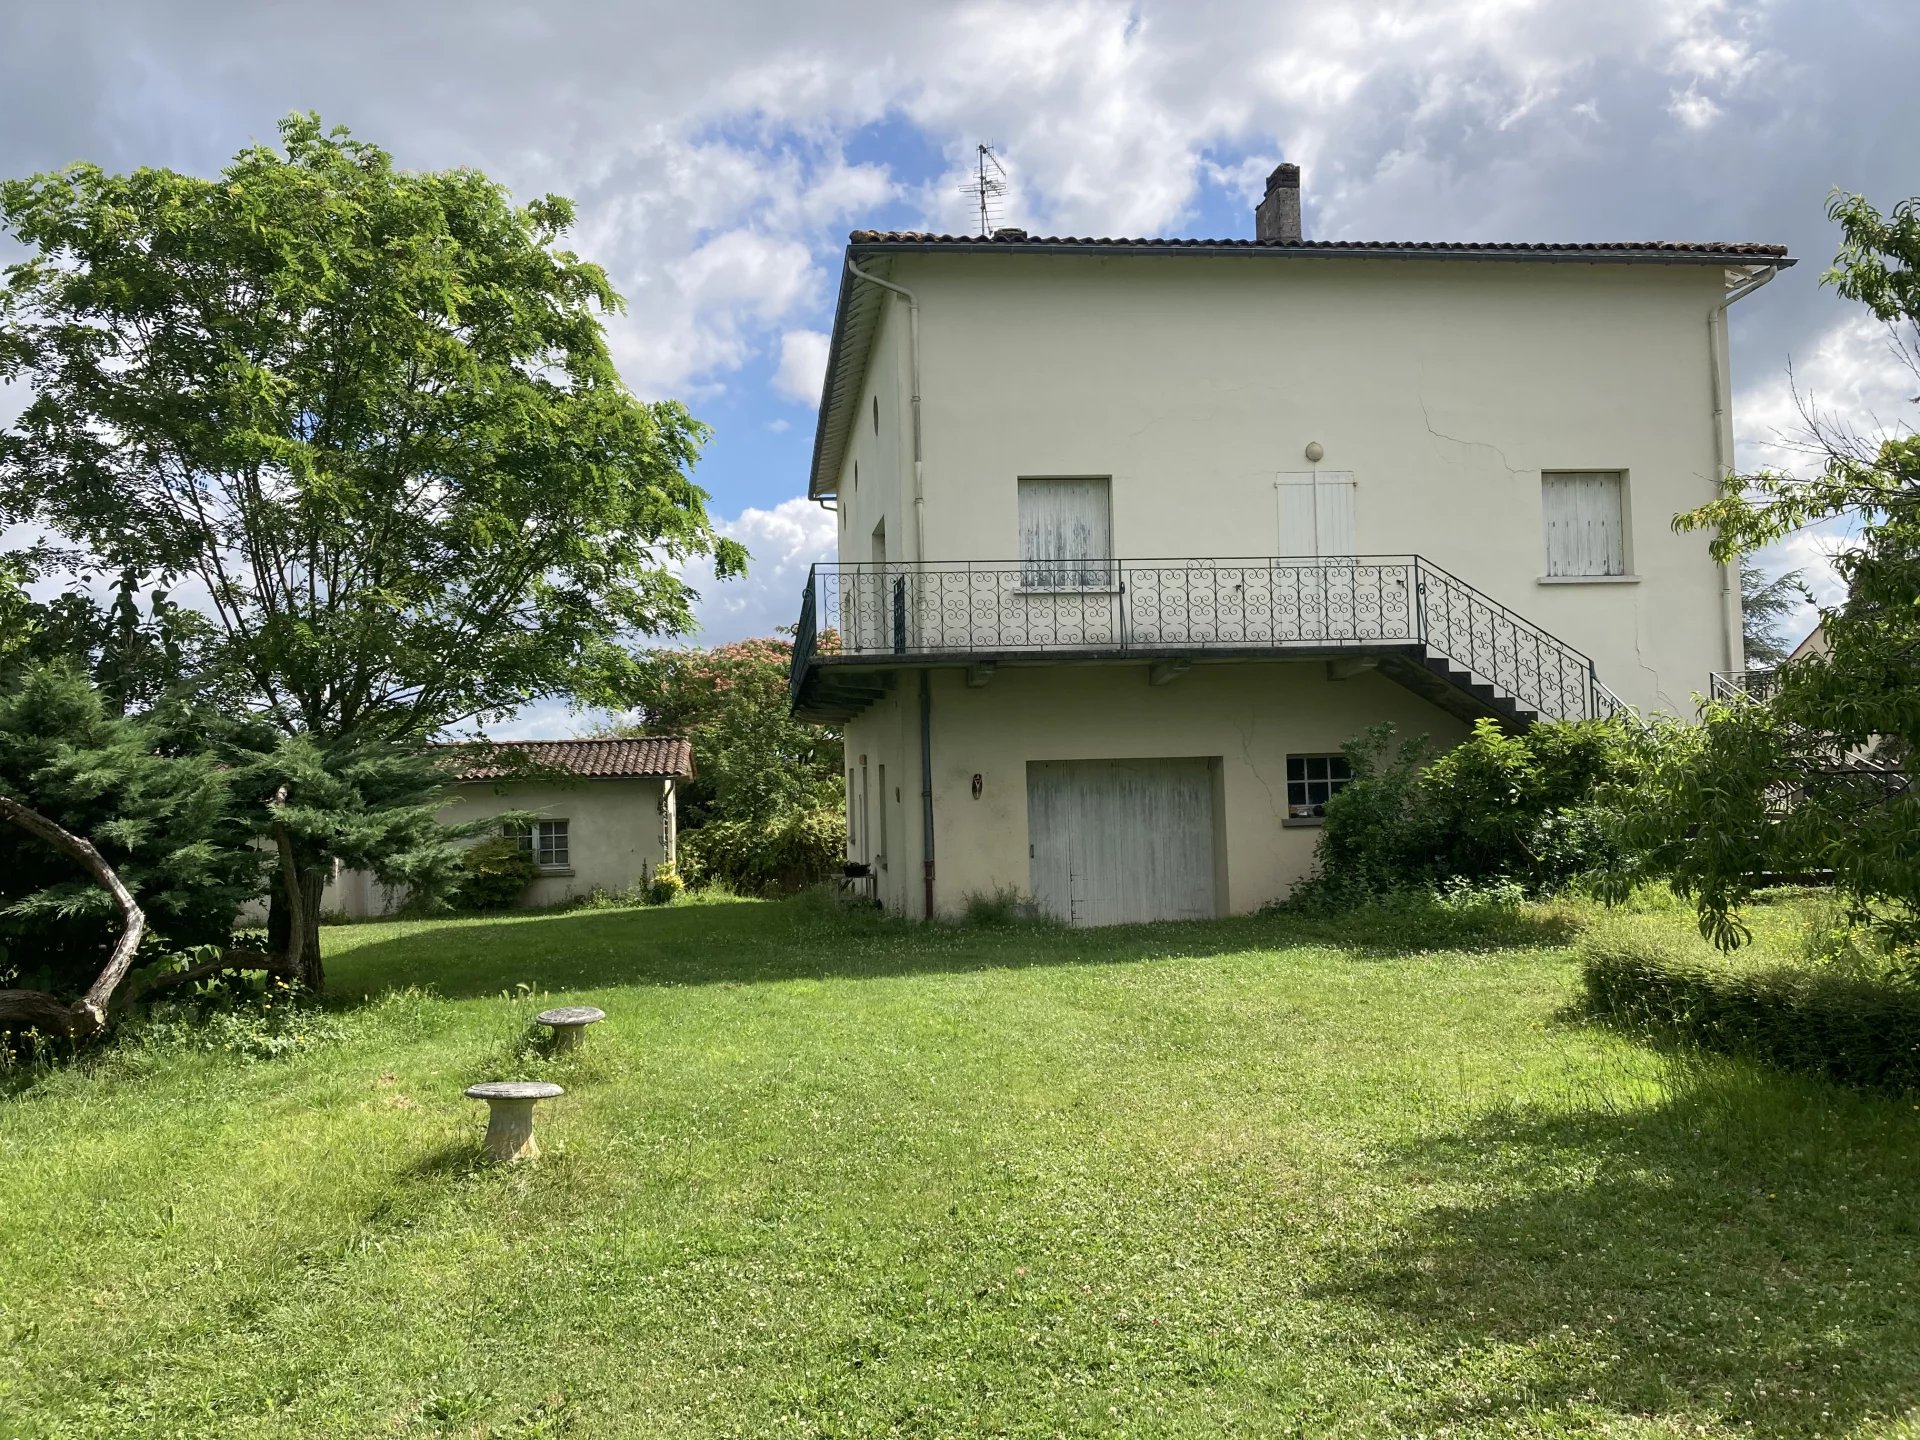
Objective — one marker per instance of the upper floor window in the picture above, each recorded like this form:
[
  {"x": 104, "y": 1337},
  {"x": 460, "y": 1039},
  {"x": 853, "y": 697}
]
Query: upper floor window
[
  {"x": 1585, "y": 515},
  {"x": 1066, "y": 533}
]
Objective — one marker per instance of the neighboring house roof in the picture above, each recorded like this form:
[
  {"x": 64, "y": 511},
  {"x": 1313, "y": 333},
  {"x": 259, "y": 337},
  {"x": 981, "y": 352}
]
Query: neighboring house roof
[
  {"x": 622, "y": 759},
  {"x": 1814, "y": 644},
  {"x": 856, "y": 315}
]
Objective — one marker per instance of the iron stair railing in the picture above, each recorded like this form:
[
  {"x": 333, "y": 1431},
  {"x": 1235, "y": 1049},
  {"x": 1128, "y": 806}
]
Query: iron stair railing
[
  {"x": 1816, "y": 758},
  {"x": 967, "y": 609}
]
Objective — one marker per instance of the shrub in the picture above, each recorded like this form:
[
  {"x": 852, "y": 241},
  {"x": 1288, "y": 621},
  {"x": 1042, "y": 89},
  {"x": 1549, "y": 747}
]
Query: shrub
[
  {"x": 1497, "y": 808},
  {"x": 664, "y": 886},
  {"x": 149, "y": 797},
  {"x": 495, "y": 873},
  {"x": 789, "y": 852},
  {"x": 1844, "y": 1028}
]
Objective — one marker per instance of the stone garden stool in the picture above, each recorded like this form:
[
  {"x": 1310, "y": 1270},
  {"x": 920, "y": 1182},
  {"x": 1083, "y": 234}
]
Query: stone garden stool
[
  {"x": 569, "y": 1024},
  {"x": 510, "y": 1115}
]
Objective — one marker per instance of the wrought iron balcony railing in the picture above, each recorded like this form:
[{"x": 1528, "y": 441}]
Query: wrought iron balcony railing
[
  {"x": 1730, "y": 685},
  {"x": 961, "y": 610}
]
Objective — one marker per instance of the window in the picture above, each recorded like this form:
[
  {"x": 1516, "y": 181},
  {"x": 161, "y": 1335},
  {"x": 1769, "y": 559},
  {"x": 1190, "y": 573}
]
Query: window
[
  {"x": 1585, "y": 516},
  {"x": 1066, "y": 534},
  {"x": 546, "y": 842},
  {"x": 1312, "y": 780},
  {"x": 876, "y": 414}
]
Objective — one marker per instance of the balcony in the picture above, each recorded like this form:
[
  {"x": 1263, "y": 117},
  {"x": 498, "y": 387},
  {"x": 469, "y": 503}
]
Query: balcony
[{"x": 1426, "y": 628}]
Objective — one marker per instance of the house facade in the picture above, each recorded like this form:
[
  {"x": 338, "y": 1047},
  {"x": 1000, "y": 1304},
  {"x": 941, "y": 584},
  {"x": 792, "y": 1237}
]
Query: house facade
[
  {"x": 607, "y": 811},
  {"x": 1134, "y": 534}
]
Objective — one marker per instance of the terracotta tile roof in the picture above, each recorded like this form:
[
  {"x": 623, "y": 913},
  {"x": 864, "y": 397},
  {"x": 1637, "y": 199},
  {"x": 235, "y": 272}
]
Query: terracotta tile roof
[
  {"x": 1717, "y": 249},
  {"x": 621, "y": 759}
]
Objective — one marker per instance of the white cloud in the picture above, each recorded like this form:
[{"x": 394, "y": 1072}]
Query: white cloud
[
  {"x": 1852, "y": 385},
  {"x": 803, "y": 366},
  {"x": 1851, "y": 381},
  {"x": 1693, "y": 110},
  {"x": 784, "y": 542}
]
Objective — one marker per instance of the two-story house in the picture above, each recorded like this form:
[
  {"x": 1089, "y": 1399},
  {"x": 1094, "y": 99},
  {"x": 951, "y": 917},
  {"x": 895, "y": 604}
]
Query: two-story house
[{"x": 1134, "y": 534}]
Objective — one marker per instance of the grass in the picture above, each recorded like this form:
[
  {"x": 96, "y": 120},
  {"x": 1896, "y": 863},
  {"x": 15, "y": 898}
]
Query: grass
[{"x": 822, "y": 1177}]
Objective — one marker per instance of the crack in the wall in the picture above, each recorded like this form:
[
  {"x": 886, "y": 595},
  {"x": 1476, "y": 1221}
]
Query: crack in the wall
[
  {"x": 1427, "y": 417},
  {"x": 1246, "y": 753}
]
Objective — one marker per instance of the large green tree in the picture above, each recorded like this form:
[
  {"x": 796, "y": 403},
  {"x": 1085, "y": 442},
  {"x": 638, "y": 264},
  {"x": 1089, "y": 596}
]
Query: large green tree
[
  {"x": 368, "y": 418},
  {"x": 1820, "y": 776},
  {"x": 765, "y": 806}
]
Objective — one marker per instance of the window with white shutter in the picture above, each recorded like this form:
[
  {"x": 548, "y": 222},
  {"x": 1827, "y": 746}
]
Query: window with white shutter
[
  {"x": 1316, "y": 513},
  {"x": 1585, "y": 517},
  {"x": 1066, "y": 533}
]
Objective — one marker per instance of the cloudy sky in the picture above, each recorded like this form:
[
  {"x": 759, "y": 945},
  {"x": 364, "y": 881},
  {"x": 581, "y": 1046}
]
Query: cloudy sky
[{"x": 719, "y": 153}]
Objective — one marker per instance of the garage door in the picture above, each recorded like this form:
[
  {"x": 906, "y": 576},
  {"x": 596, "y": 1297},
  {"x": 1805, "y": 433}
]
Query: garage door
[{"x": 1119, "y": 841}]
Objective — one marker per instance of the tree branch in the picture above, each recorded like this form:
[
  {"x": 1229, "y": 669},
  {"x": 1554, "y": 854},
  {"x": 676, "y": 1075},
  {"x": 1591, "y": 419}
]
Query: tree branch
[{"x": 89, "y": 1013}]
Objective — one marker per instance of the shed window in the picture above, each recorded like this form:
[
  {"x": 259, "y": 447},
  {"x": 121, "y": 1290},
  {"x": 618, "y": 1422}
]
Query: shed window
[
  {"x": 1066, "y": 533},
  {"x": 1585, "y": 515},
  {"x": 546, "y": 842},
  {"x": 1312, "y": 780}
]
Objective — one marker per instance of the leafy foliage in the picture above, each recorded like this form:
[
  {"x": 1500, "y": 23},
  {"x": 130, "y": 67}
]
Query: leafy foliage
[
  {"x": 764, "y": 808},
  {"x": 1849, "y": 1029},
  {"x": 1497, "y": 808},
  {"x": 664, "y": 886},
  {"x": 1766, "y": 601},
  {"x": 373, "y": 414},
  {"x": 150, "y": 797},
  {"x": 793, "y": 848},
  {"x": 1792, "y": 784},
  {"x": 494, "y": 874}
]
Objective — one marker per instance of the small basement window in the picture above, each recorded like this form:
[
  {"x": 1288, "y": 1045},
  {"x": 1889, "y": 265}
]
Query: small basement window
[
  {"x": 546, "y": 841},
  {"x": 1312, "y": 780}
]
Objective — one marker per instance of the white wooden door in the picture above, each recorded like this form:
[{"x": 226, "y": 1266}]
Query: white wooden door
[
  {"x": 1315, "y": 531},
  {"x": 1117, "y": 842}
]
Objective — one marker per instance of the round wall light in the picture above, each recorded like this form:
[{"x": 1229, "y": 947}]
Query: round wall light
[{"x": 1315, "y": 450}]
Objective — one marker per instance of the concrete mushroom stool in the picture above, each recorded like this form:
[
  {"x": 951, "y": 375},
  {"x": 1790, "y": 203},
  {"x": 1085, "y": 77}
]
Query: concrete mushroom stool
[
  {"x": 510, "y": 1115},
  {"x": 569, "y": 1024}
]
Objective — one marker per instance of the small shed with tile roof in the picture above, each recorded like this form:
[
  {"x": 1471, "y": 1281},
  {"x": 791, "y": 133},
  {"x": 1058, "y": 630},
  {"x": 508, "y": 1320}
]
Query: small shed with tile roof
[{"x": 607, "y": 813}]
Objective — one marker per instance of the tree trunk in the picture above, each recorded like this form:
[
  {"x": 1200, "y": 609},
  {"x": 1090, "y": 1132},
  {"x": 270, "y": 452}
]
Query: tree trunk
[
  {"x": 88, "y": 1014},
  {"x": 293, "y": 917}
]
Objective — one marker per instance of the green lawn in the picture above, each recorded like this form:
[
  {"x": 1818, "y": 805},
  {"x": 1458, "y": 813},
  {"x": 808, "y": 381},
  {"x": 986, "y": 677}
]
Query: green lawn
[{"x": 818, "y": 1179}]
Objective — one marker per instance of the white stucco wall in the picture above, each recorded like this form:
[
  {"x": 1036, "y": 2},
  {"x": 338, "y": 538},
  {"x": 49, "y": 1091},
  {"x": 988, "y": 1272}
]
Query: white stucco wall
[
  {"x": 1250, "y": 716},
  {"x": 1444, "y": 387}
]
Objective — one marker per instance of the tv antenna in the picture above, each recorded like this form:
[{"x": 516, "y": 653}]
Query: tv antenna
[{"x": 988, "y": 189}]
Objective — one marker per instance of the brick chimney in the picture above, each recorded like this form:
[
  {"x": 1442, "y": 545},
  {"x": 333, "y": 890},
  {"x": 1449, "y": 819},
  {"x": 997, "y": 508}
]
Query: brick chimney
[{"x": 1277, "y": 217}]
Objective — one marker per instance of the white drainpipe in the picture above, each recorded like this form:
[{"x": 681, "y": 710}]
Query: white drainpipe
[
  {"x": 913, "y": 376},
  {"x": 1722, "y": 372}
]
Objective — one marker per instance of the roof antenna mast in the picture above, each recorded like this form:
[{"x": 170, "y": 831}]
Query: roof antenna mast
[{"x": 988, "y": 189}]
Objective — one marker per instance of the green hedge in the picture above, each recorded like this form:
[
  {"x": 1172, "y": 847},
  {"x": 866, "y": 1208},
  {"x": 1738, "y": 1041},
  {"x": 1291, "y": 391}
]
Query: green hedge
[{"x": 1853, "y": 1031}]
